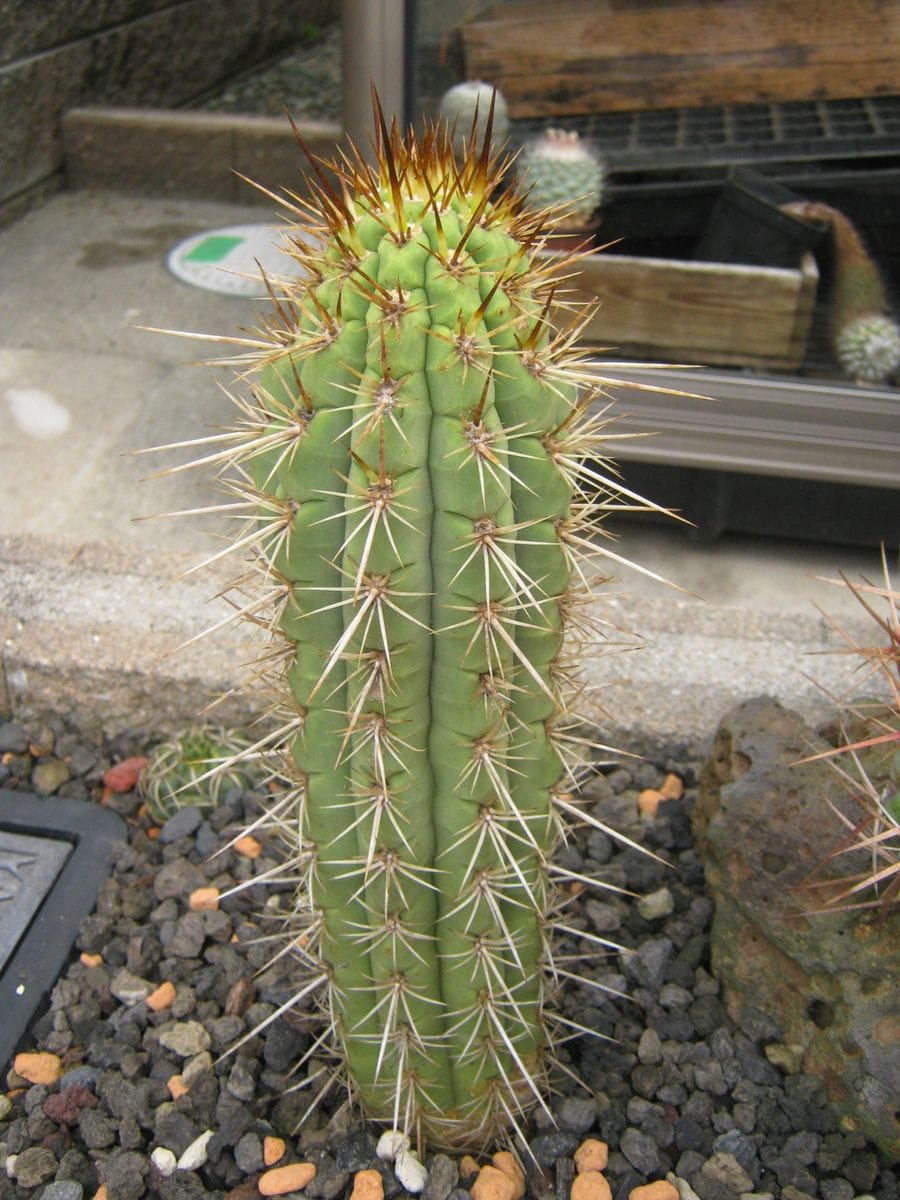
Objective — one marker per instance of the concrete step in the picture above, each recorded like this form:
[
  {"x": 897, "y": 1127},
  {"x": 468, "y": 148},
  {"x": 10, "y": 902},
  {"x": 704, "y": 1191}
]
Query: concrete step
[
  {"x": 181, "y": 153},
  {"x": 88, "y": 634},
  {"x": 94, "y": 633}
]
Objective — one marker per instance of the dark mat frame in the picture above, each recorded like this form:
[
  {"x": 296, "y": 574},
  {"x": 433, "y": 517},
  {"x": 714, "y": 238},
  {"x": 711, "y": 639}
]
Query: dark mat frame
[{"x": 44, "y": 948}]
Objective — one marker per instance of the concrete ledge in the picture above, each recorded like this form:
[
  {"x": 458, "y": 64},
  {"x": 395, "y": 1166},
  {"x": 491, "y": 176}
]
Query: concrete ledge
[
  {"x": 157, "y": 152},
  {"x": 90, "y": 634},
  {"x": 93, "y": 636}
]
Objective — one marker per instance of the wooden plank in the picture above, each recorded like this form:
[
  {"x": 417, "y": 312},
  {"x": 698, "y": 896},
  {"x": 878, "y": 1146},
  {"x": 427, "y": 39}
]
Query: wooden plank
[
  {"x": 697, "y": 312},
  {"x": 578, "y": 56}
]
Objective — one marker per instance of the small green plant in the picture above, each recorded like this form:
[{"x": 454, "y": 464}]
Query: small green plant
[
  {"x": 867, "y": 759},
  {"x": 196, "y": 768},
  {"x": 563, "y": 174},
  {"x": 424, "y": 462},
  {"x": 865, "y": 336}
]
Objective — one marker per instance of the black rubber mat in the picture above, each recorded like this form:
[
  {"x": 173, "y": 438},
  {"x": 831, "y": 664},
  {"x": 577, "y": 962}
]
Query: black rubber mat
[{"x": 54, "y": 855}]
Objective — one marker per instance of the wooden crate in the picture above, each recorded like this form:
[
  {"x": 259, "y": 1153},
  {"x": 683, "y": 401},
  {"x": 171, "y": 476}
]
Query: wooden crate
[
  {"x": 592, "y": 56},
  {"x": 698, "y": 312}
]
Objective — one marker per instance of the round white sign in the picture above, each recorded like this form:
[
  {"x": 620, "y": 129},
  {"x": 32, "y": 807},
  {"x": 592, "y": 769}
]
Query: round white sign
[{"x": 228, "y": 260}]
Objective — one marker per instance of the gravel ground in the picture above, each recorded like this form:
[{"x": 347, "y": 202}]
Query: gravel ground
[{"x": 158, "y": 990}]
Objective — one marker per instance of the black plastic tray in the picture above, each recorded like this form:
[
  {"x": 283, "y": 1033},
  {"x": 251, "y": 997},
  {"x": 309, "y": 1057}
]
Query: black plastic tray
[{"x": 43, "y": 949}]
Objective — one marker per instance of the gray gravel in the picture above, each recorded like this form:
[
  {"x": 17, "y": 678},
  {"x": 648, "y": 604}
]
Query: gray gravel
[{"x": 678, "y": 1088}]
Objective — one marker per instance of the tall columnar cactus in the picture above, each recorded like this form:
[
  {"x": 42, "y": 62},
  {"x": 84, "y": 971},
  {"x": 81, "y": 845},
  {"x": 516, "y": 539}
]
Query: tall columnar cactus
[
  {"x": 417, "y": 451},
  {"x": 865, "y": 337}
]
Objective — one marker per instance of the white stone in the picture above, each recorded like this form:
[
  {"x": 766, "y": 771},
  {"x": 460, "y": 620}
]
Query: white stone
[
  {"x": 684, "y": 1189},
  {"x": 164, "y": 1160},
  {"x": 195, "y": 1155},
  {"x": 410, "y": 1171},
  {"x": 185, "y": 1038},
  {"x": 656, "y": 904},
  {"x": 391, "y": 1142},
  {"x": 200, "y": 1064}
]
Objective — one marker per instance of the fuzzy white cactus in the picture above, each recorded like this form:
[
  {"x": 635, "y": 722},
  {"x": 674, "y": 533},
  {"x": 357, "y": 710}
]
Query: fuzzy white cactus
[
  {"x": 466, "y": 107},
  {"x": 562, "y": 171},
  {"x": 868, "y": 349}
]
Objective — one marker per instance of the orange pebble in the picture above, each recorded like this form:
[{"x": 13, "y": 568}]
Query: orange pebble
[
  {"x": 153, "y": 832},
  {"x": 162, "y": 997},
  {"x": 493, "y": 1184},
  {"x": 124, "y": 775},
  {"x": 38, "y": 1068},
  {"x": 367, "y": 1185},
  {"x": 649, "y": 801},
  {"x": 505, "y": 1162},
  {"x": 590, "y": 1185},
  {"x": 468, "y": 1167},
  {"x": 672, "y": 789},
  {"x": 204, "y": 898},
  {"x": 273, "y": 1150},
  {"x": 249, "y": 847},
  {"x": 591, "y": 1155},
  {"x": 281, "y": 1180},
  {"x": 90, "y": 960},
  {"x": 661, "y": 1189},
  {"x": 102, "y": 1192},
  {"x": 177, "y": 1087}
]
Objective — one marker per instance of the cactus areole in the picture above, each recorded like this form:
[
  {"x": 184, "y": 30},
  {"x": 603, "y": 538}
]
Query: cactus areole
[{"x": 417, "y": 456}]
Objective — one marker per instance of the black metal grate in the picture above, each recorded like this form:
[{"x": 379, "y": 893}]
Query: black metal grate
[{"x": 797, "y": 131}]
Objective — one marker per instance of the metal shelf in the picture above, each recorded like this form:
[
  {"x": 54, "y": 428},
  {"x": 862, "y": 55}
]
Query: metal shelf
[
  {"x": 707, "y": 139},
  {"x": 803, "y": 429}
]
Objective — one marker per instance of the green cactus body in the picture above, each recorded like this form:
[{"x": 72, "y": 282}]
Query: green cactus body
[
  {"x": 414, "y": 449},
  {"x": 196, "y": 768}
]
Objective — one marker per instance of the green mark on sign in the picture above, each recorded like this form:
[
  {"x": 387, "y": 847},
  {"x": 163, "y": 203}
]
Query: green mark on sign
[{"x": 213, "y": 249}]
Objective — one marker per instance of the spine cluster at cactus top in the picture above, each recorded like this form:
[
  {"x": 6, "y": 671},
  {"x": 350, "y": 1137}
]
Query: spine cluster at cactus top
[{"x": 418, "y": 451}]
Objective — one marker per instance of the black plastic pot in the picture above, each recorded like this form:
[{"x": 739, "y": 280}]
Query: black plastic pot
[{"x": 748, "y": 226}]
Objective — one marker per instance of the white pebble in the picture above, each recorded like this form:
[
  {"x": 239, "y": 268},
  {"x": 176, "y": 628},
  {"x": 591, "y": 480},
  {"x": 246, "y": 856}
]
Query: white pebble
[
  {"x": 200, "y": 1064},
  {"x": 10, "y": 1164},
  {"x": 410, "y": 1171},
  {"x": 391, "y": 1142},
  {"x": 684, "y": 1189},
  {"x": 164, "y": 1160},
  {"x": 195, "y": 1155},
  {"x": 656, "y": 904}
]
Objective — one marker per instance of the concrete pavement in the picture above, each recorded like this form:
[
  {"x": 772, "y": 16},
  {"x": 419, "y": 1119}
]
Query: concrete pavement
[{"x": 84, "y": 619}]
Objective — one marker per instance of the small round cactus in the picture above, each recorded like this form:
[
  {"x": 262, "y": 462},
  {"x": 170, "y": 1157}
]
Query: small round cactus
[
  {"x": 562, "y": 171},
  {"x": 195, "y": 769},
  {"x": 868, "y": 348},
  {"x": 466, "y": 107}
]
